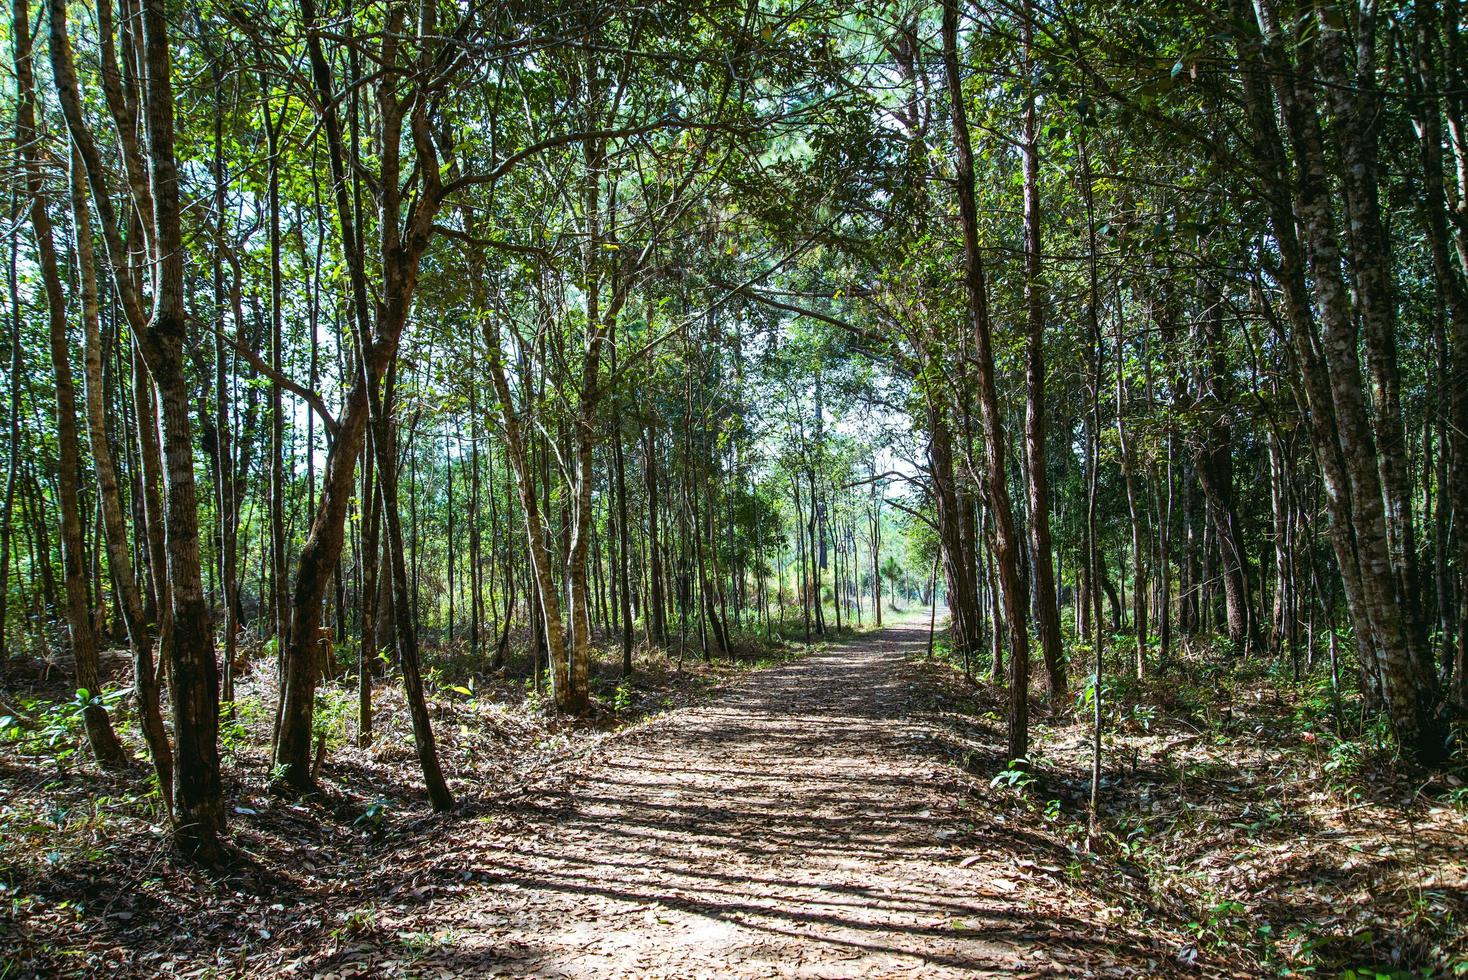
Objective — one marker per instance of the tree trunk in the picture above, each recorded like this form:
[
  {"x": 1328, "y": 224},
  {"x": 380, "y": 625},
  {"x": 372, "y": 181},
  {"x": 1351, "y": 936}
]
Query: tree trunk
[
  {"x": 367, "y": 643},
  {"x": 537, "y": 536},
  {"x": 279, "y": 595},
  {"x": 656, "y": 601},
  {"x": 1047, "y": 605},
  {"x": 103, "y": 740},
  {"x": 1345, "y": 450},
  {"x": 1006, "y": 556},
  {"x": 960, "y": 568},
  {"x": 406, "y": 620},
  {"x": 110, "y": 495},
  {"x": 1455, "y": 298},
  {"x": 12, "y": 464},
  {"x": 1134, "y": 510}
]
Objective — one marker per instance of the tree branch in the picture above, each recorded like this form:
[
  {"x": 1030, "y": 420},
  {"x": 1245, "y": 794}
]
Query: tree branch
[{"x": 257, "y": 362}]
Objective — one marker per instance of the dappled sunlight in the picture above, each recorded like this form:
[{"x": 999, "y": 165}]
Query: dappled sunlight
[{"x": 799, "y": 826}]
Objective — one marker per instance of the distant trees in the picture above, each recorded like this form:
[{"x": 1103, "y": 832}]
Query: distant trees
[{"x": 1207, "y": 308}]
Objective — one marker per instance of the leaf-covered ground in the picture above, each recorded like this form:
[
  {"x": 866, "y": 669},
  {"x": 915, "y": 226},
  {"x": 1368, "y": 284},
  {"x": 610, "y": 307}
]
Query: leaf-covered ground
[
  {"x": 834, "y": 815},
  {"x": 1236, "y": 808}
]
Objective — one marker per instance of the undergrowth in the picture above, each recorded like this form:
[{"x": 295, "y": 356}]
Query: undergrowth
[{"x": 1267, "y": 820}]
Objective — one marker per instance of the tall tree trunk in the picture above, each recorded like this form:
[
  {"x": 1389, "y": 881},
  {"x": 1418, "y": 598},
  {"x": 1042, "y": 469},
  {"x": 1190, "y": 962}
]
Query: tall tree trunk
[
  {"x": 119, "y": 559},
  {"x": 547, "y": 604},
  {"x": 377, "y": 340},
  {"x": 1213, "y": 451},
  {"x": 12, "y": 463},
  {"x": 656, "y": 602},
  {"x": 624, "y": 546},
  {"x": 80, "y": 628},
  {"x": 225, "y": 488},
  {"x": 406, "y": 620},
  {"x": 199, "y": 821},
  {"x": 476, "y": 595},
  {"x": 198, "y": 794},
  {"x": 367, "y": 646},
  {"x": 1333, "y": 390},
  {"x": 279, "y": 575},
  {"x": 1134, "y": 510},
  {"x": 960, "y": 568},
  {"x": 1006, "y": 547},
  {"x": 1047, "y": 605},
  {"x": 1355, "y": 105},
  {"x": 1454, "y": 295},
  {"x": 875, "y": 519},
  {"x": 449, "y": 530}
]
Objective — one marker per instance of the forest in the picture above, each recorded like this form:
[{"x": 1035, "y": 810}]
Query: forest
[{"x": 734, "y": 488}]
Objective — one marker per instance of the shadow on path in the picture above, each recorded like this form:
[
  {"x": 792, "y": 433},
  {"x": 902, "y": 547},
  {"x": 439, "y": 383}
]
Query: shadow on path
[{"x": 798, "y": 826}]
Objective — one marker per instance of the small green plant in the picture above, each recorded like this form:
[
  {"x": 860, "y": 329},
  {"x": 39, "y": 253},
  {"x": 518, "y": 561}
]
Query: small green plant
[
  {"x": 622, "y": 697},
  {"x": 420, "y": 943},
  {"x": 232, "y": 733},
  {"x": 355, "y": 922},
  {"x": 1344, "y": 759},
  {"x": 374, "y": 818},
  {"x": 344, "y": 654},
  {"x": 1219, "y": 922},
  {"x": 1016, "y": 775},
  {"x": 1301, "y": 948},
  {"x": 1135, "y": 843},
  {"x": 1086, "y": 696},
  {"x": 1143, "y": 716},
  {"x": 537, "y": 690},
  {"x": 237, "y": 719},
  {"x": 335, "y": 710},
  {"x": 1269, "y": 816}
]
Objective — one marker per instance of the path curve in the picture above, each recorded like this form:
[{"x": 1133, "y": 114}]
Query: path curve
[{"x": 799, "y": 825}]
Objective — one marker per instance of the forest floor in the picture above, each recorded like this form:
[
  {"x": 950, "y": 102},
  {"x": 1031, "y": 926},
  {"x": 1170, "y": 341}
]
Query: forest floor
[
  {"x": 833, "y": 815},
  {"x": 800, "y": 824}
]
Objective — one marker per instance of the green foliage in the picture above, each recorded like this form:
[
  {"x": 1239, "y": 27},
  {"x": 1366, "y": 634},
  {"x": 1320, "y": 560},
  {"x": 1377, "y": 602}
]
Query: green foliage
[
  {"x": 1016, "y": 775},
  {"x": 334, "y": 716},
  {"x": 241, "y": 721},
  {"x": 1085, "y": 697},
  {"x": 56, "y": 729},
  {"x": 1221, "y": 922},
  {"x": 623, "y": 697},
  {"x": 374, "y": 817},
  {"x": 1142, "y": 716}
]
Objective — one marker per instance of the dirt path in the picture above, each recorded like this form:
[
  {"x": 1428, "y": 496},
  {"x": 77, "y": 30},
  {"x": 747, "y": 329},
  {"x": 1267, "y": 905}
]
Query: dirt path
[{"x": 800, "y": 825}]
